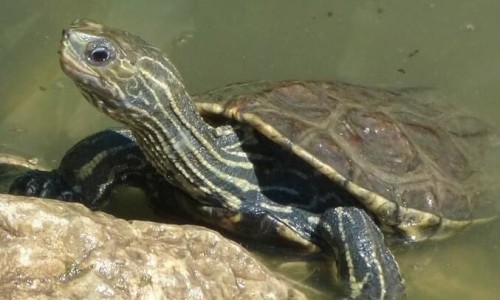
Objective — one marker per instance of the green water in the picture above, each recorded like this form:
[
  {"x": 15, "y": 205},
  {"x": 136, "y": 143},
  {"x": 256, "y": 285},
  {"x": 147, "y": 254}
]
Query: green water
[{"x": 453, "y": 46}]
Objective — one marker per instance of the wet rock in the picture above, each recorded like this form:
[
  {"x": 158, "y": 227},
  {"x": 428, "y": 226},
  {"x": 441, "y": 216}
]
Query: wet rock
[{"x": 52, "y": 249}]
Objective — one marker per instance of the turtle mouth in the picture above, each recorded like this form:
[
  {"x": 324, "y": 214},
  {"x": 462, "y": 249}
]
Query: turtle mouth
[
  {"x": 75, "y": 68},
  {"x": 72, "y": 63}
]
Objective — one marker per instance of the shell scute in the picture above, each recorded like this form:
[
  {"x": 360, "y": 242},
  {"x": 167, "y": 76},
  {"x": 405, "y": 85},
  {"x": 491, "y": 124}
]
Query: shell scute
[
  {"x": 380, "y": 141},
  {"x": 321, "y": 144}
]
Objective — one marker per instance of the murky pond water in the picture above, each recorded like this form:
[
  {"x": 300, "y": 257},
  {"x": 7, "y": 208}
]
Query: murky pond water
[{"x": 450, "y": 46}]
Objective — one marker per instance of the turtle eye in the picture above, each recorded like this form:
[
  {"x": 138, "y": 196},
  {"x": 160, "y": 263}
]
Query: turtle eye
[{"x": 99, "y": 53}]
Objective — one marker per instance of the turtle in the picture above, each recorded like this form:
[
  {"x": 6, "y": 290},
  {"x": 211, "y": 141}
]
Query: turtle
[{"x": 318, "y": 165}]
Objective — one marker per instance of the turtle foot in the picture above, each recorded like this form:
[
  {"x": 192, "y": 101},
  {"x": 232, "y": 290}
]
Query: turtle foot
[
  {"x": 367, "y": 268},
  {"x": 43, "y": 184}
]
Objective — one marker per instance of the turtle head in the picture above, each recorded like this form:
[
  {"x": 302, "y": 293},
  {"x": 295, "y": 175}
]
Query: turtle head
[{"x": 107, "y": 64}]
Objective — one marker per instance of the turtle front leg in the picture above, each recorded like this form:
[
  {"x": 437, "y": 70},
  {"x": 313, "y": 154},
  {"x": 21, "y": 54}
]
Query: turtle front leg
[
  {"x": 90, "y": 170},
  {"x": 366, "y": 267},
  {"x": 43, "y": 184}
]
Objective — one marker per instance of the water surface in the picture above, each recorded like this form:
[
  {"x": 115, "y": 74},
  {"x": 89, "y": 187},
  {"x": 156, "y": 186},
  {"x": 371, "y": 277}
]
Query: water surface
[{"x": 446, "y": 45}]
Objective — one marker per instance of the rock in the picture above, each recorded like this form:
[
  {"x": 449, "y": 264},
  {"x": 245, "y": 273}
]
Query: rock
[{"x": 53, "y": 249}]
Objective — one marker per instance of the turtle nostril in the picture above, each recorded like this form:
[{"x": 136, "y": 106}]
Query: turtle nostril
[{"x": 64, "y": 33}]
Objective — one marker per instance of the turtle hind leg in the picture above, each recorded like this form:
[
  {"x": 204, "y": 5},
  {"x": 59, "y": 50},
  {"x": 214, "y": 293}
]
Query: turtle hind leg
[{"x": 366, "y": 267}]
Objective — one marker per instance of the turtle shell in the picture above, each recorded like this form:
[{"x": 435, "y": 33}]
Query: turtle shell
[{"x": 403, "y": 159}]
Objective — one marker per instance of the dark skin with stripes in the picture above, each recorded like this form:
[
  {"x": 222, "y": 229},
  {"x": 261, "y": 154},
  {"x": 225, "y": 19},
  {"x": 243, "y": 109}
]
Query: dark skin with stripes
[
  {"x": 125, "y": 164},
  {"x": 268, "y": 161}
]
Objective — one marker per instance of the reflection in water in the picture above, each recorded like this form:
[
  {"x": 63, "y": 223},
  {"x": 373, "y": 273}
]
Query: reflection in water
[{"x": 446, "y": 45}]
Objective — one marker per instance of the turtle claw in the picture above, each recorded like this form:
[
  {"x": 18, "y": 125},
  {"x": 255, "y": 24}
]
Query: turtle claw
[{"x": 43, "y": 184}]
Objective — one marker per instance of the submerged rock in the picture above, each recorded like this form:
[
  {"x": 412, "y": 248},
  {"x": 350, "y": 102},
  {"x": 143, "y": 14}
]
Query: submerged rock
[{"x": 53, "y": 249}]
